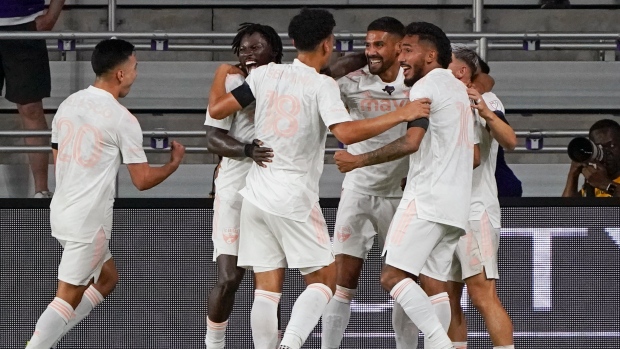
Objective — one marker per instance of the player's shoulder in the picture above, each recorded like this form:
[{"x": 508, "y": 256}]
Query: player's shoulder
[
  {"x": 233, "y": 81},
  {"x": 356, "y": 75},
  {"x": 493, "y": 101}
]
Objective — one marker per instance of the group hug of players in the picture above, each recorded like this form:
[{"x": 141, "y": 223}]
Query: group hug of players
[{"x": 412, "y": 107}]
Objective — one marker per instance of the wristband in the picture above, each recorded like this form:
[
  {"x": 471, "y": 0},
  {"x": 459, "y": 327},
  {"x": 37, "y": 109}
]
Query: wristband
[{"x": 248, "y": 149}]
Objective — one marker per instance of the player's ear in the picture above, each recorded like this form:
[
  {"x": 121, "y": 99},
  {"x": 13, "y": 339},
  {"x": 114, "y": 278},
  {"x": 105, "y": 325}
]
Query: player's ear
[
  {"x": 431, "y": 56},
  {"x": 120, "y": 75}
]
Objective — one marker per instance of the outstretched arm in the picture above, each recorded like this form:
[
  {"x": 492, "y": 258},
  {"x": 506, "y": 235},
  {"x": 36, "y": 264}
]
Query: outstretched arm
[
  {"x": 405, "y": 145},
  {"x": 220, "y": 143},
  {"x": 345, "y": 64}
]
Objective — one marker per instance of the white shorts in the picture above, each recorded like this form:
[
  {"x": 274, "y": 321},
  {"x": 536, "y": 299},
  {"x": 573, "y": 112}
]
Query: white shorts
[
  {"x": 418, "y": 246},
  {"x": 360, "y": 217},
  {"x": 81, "y": 262},
  {"x": 226, "y": 226},
  {"x": 476, "y": 250},
  {"x": 271, "y": 242}
]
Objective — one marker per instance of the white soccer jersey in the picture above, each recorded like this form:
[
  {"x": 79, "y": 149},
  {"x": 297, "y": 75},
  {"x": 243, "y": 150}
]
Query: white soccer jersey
[
  {"x": 367, "y": 96},
  {"x": 240, "y": 125},
  {"x": 484, "y": 185},
  {"x": 93, "y": 132},
  {"x": 294, "y": 107},
  {"x": 440, "y": 172}
]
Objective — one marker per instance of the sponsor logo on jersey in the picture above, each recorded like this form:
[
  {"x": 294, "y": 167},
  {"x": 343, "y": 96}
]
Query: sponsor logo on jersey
[
  {"x": 343, "y": 233},
  {"x": 231, "y": 235}
]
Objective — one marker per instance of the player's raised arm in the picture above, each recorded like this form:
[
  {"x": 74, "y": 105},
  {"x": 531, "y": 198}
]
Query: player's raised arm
[
  {"x": 222, "y": 104},
  {"x": 145, "y": 176},
  {"x": 500, "y": 130},
  {"x": 405, "y": 145},
  {"x": 359, "y": 130},
  {"x": 345, "y": 64}
]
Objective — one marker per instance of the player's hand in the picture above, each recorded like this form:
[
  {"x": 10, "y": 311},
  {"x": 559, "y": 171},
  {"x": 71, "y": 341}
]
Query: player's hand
[
  {"x": 576, "y": 168},
  {"x": 346, "y": 161},
  {"x": 477, "y": 102},
  {"x": 420, "y": 108},
  {"x": 596, "y": 176},
  {"x": 177, "y": 151},
  {"x": 259, "y": 154},
  {"x": 45, "y": 22}
]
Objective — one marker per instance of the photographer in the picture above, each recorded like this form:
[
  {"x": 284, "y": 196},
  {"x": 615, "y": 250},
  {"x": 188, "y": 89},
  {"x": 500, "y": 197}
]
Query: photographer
[{"x": 601, "y": 177}]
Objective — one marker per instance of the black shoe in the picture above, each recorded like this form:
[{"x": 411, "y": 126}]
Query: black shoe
[{"x": 555, "y": 4}]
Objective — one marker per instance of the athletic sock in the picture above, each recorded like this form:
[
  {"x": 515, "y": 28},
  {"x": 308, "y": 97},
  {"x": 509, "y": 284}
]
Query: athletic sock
[
  {"x": 418, "y": 307},
  {"x": 90, "y": 300},
  {"x": 441, "y": 305},
  {"x": 460, "y": 345},
  {"x": 406, "y": 332},
  {"x": 306, "y": 314},
  {"x": 51, "y": 324},
  {"x": 264, "y": 319},
  {"x": 216, "y": 334},
  {"x": 336, "y": 317},
  {"x": 512, "y": 346}
]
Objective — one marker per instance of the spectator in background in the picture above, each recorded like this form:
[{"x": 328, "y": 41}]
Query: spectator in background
[
  {"x": 601, "y": 179},
  {"x": 24, "y": 66},
  {"x": 508, "y": 185}
]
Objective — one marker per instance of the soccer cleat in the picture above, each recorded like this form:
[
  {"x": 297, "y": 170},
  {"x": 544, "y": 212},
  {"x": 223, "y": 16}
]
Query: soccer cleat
[{"x": 43, "y": 194}]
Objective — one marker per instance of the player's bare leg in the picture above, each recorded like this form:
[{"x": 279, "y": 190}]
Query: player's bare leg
[
  {"x": 221, "y": 300},
  {"x": 458, "y": 324},
  {"x": 264, "y": 316},
  {"x": 416, "y": 305},
  {"x": 33, "y": 119},
  {"x": 309, "y": 306},
  {"x": 93, "y": 295},
  {"x": 483, "y": 295},
  {"x": 338, "y": 311}
]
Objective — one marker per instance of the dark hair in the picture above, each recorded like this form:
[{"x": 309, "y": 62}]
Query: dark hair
[
  {"x": 270, "y": 35},
  {"x": 109, "y": 53},
  {"x": 389, "y": 25},
  {"x": 433, "y": 34},
  {"x": 309, "y": 27},
  {"x": 484, "y": 67},
  {"x": 606, "y": 124},
  {"x": 468, "y": 56}
]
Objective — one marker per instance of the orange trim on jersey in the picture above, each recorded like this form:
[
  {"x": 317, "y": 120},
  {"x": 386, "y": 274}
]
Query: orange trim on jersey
[
  {"x": 401, "y": 228},
  {"x": 322, "y": 237}
]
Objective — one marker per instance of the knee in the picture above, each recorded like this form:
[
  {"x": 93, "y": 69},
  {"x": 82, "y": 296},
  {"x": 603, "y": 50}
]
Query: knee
[
  {"x": 110, "y": 282},
  {"x": 229, "y": 281},
  {"x": 482, "y": 299},
  {"x": 31, "y": 111},
  {"x": 389, "y": 280}
]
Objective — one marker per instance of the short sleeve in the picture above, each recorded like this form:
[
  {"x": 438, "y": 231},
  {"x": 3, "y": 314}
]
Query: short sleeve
[
  {"x": 331, "y": 107},
  {"x": 422, "y": 89},
  {"x": 493, "y": 102},
  {"x": 130, "y": 141}
]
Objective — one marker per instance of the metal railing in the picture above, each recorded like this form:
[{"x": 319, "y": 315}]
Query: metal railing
[{"x": 203, "y": 150}]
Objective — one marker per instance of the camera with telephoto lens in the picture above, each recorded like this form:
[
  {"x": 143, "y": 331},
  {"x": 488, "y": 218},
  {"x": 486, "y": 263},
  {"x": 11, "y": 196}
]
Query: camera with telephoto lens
[{"x": 582, "y": 149}]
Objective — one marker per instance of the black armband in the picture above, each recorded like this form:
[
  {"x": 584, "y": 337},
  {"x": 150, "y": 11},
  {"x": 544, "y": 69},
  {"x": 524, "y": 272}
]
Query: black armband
[
  {"x": 421, "y": 123},
  {"x": 247, "y": 150},
  {"x": 55, "y": 146},
  {"x": 243, "y": 94}
]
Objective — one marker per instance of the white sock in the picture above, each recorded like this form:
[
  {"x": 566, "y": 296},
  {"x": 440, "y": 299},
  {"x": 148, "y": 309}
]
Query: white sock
[
  {"x": 51, "y": 324},
  {"x": 441, "y": 304},
  {"x": 336, "y": 317},
  {"x": 306, "y": 314},
  {"x": 264, "y": 319},
  {"x": 216, "y": 334},
  {"x": 512, "y": 346},
  {"x": 418, "y": 307},
  {"x": 460, "y": 345},
  {"x": 90, "y": 300},
  {"x": 405, "y": 330}
]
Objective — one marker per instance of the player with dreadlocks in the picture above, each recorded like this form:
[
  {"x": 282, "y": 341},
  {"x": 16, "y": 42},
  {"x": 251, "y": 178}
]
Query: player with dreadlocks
[{"x": 233, "y": 139}]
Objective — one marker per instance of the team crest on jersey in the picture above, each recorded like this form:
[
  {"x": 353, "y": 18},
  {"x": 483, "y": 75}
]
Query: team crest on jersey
[
  {"x": 389, "y": 89},
  {"x": 343, "y": 233},
  {"x": 494, "y": 105},
  {"x": 231, "y": 235}
]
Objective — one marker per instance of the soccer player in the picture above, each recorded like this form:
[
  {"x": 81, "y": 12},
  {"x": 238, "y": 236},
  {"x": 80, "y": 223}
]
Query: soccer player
[
  {"x": 434, "y": 210},
  {"x": 371, "y": 194},
  {"x": 281, "y": 222},
  {"x": 91, "y": 134},
  {"x": 475, "y": 260},
  {"x": 233, "y": 139}
]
